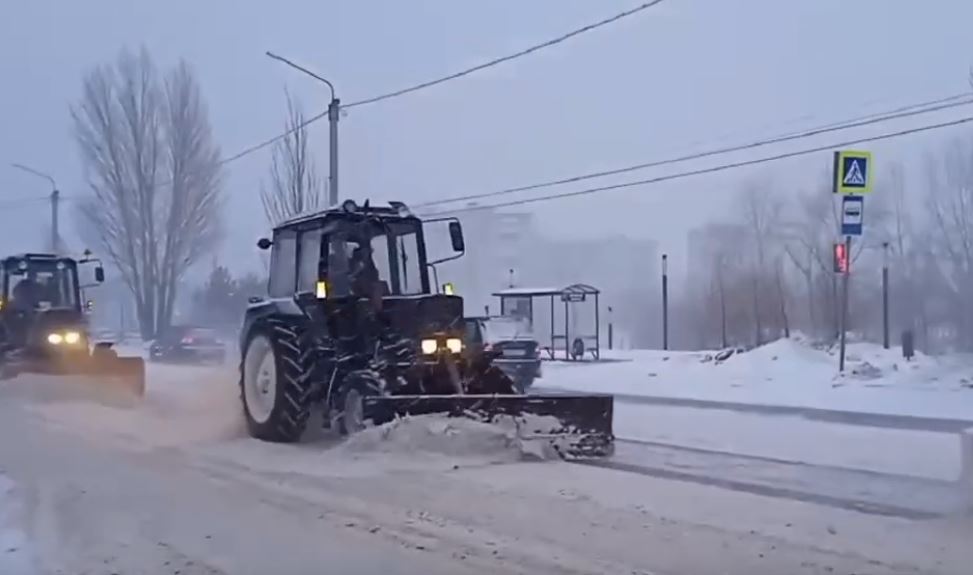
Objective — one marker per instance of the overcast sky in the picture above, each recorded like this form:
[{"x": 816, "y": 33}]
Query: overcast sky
[{"x": 680, "y": 77}]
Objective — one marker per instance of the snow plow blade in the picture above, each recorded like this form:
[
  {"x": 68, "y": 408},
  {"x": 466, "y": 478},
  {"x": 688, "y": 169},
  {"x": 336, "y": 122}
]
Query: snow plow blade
[
  {"x": 575, "y": 425},
  {"x": 125, "y": 374}
]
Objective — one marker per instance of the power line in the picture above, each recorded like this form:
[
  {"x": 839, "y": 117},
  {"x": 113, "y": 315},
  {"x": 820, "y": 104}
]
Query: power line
[
  {"x": 515, "y": 55},
  {"x": 496, "y": 61},
  {"x": 713, "y": 169},
  {"x": 902, "y": 112}
]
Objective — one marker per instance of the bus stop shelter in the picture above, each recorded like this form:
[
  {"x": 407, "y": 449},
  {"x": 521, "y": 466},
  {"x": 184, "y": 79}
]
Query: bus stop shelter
[{"x": 520, "y": 302}]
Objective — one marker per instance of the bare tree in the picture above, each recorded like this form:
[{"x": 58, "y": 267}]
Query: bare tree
[
  {"x": 951, "y": 211},
  {"x": 294, "y": 185},
  {"x": 761, "y": 211},
  {"x": 154, "y": 173}
]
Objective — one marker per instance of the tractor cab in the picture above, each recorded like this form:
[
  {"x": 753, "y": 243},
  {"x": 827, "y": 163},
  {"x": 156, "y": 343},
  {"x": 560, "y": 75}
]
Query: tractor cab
[
  {"x": 34, "y": 282},
  {"x": 40, "y": 299},
  {"x": 366, "y": 256}
]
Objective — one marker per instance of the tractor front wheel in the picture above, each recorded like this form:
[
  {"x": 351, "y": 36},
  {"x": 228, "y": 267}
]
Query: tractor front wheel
[{"x": 349, "y": 412}]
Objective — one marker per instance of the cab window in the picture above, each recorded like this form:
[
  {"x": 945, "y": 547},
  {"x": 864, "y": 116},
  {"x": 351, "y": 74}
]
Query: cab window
[
  {"x": 283, "y": 264},
  {"x": 309, "y": 267}
]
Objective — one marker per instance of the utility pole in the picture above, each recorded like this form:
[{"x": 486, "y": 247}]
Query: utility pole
[
  {"x": 334, "y": 111},
  {"x": 55, "y": 226},
  {"x": 611, "y": 328},
  {"x": 334, "y": 108},
  {"x": 55, "y": 198},
  {"x": 885, "y": 295},
  {"x": 719, "y": 273},
  {"x": 665, "y": 301}
]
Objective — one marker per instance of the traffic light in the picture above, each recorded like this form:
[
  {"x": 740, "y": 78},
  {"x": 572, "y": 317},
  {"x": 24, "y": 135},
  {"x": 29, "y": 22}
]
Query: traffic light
[{"x": 841, "y": 262}]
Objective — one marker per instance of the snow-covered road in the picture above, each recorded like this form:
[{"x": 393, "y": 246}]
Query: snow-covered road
[
  {"x": 88, "y": 508},
  {"x": 174, "y": 485}
]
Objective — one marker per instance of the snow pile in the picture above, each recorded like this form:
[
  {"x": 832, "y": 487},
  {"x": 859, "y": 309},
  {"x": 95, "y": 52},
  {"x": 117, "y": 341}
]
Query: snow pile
[
  {"x": 795, "y": 372},
  {"x": 505, "y": 439},
  {"x": 16, "y": 555}
]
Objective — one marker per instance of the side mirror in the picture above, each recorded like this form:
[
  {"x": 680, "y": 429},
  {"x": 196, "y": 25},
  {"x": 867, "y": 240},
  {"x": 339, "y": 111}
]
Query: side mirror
[
  {"x": 99, "y": 274},
  {"x": 456, "y": 236},
  {"x": 264, "y": 243}
]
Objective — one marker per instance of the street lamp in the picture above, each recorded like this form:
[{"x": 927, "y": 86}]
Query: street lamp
[
  {"x": 665, "y": 301},
  {"x": 885, "y": 295},
  {"x": 333, "y": 109},
  {"x": 55, "y": 200}
]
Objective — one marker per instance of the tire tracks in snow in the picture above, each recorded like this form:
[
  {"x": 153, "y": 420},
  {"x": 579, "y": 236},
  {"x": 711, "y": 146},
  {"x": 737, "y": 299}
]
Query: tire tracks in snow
[{"x": 863, "y": 491}]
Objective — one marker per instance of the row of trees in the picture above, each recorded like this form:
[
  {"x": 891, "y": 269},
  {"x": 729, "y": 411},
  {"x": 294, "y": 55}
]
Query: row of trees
[
  {"x": 155, "y": 176},
  {"x": 221, "y": 301},
  {"x": 768, "y": 271}
]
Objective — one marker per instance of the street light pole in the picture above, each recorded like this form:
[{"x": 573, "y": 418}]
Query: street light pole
[
  {"x": 334, "y": 109},
  {"x": 885, "y": 296},
  {"x": 665, "y": 301},
  {"x": 55, "y": 204}
]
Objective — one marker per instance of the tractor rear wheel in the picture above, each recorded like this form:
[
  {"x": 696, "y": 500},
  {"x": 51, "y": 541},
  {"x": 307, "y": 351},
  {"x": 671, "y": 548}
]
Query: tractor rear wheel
[{"x": 274, "y": 385}]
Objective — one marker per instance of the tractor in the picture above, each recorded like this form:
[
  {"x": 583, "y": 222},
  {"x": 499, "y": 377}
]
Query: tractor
[
  {"x": 352, "y": 326},
  {"x": 44, "y": 327}
]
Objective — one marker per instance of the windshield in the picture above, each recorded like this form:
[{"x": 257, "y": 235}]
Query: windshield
[
  {"x": 382, "y": 256},
  {"x": 42, "y": 284},
  {"x": 503, "y": 329}
]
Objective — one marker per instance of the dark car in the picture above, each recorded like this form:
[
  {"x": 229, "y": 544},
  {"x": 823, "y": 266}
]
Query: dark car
[
  {"x": 188, "y": 344},
  {"x": 519, "y": 352}
]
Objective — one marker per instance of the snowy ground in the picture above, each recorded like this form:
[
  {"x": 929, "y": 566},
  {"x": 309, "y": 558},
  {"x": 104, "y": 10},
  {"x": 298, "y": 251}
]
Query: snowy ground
[
  {"x": 788, "y": 373},
  {"x": 918, "y": 453},
  {"x": 174, "y": 484},
  {"x": 16, "y": 554},
  {"x": 785, "y": 372}
]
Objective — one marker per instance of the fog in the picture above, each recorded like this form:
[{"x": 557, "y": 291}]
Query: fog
[{"x": 683, "y": 77}]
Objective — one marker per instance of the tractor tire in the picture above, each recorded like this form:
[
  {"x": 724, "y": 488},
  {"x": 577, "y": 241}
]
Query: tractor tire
[
  {"x": 348, "y": 412},
  {"x": 274, "y": 384}
]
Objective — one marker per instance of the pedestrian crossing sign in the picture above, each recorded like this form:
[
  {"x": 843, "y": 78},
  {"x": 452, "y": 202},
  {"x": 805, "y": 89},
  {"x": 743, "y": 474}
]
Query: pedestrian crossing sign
[{"x": 852, "y": 173}]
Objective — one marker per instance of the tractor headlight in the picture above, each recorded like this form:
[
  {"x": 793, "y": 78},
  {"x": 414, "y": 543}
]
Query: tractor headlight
[
  {"x": 429, "y": 346},
  {"x": 454, "y": 344},
  {"x": 55, "y": 338},
  {"x": 72, "y": 337}
]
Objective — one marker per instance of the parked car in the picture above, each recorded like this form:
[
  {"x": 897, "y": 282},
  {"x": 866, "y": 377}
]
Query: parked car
[
  {"x": 514, "y": 340},
  {"x": 188, "y": 344}
]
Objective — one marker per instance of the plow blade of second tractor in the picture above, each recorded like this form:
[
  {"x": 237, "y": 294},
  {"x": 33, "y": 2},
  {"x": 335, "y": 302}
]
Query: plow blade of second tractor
[
  {"x": 575, "y": 425},
  {"x": 123, "y": 377}
]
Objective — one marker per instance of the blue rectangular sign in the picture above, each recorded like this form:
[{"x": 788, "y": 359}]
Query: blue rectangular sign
[{"x": 852, "y": 215}]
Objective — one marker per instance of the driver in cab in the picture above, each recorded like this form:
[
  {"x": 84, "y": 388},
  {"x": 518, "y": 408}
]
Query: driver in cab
[
  {"x": 25, "y": 295},
  {"x": 366, "y": 282}
]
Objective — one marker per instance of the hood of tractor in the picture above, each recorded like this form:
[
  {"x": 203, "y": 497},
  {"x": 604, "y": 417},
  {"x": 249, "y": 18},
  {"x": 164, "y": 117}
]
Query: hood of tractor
[{"x": 418, "y": 316}]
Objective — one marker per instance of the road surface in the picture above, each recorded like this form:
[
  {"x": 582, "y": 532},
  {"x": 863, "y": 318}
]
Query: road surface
[{"x": 172, "y": 486}]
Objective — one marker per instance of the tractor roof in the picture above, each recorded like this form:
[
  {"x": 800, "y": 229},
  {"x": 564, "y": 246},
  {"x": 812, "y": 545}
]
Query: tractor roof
[
  {"x": 393, "y": 210},
  {"x": 17, "y": 260},
  {"x": 38, "y": 257}
]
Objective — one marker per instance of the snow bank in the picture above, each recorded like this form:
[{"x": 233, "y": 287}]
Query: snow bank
[
  {"x": 16, "y": 554},
  {"x": 792, "y": 372}
]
